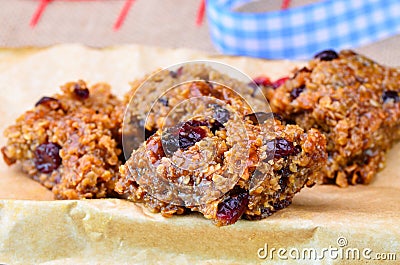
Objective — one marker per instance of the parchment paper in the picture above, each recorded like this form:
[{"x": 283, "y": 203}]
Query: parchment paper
[{"x": 34, "y": 229}]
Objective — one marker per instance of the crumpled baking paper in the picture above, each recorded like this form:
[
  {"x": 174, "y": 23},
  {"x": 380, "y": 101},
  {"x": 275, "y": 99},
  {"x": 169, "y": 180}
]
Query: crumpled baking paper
[{"x": 324, "y": 225}]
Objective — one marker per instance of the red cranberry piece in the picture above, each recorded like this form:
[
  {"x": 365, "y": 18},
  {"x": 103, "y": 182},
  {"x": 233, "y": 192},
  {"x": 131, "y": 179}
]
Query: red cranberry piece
[
  {"x": 190, "y": 133},
  {"x": 195, "y": 123},
  {"x": 390, "y": 94},
  {"x": 277, "y": 116},
  {"x": 302, "y": 70},
  {"x": 154, "y": 145},
  {"x": 327, "y": 55},
  {"x": 149, "y": 133},
  {"x": 47, "y": 157},
  {"x": 279, "y": 82},
  {"x": 216, "y": 93},
  {"x": 81, "y": 92},
  {"x": 46, "y": 101},
  {"x": 183, "y": 136},
  {"x": 265, "y": 81},
  {"x": 220, "y": 114},
  {"x": 265, "y": 212},
  {"x": 216, "y": 126},
  {"x": 297, "y": 91},
  {"x": 262, "y": 81},
  {"x": 284, "y": 148},
  {"x": 232, "y": 208},
  {"x": 283, "y": 181},
  {"x": 177, "y": 73},
  {"x": 281, "y": 204},
  {"x": 258, "y": 117},
  {"x": 284, "y": 177},
  {"x": 164, "y": 101}
]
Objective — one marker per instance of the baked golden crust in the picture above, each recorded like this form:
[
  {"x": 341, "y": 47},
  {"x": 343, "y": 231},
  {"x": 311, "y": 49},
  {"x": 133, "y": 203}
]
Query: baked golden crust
[
  {"x": 352, "y": 100},
  {"x": 68, "y": 142}
]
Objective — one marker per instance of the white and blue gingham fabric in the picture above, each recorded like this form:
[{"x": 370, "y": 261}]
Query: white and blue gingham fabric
[{"x": 299, "y": 33}]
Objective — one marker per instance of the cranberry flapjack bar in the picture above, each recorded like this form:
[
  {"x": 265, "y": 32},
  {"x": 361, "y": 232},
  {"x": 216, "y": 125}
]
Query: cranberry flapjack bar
[
  {"x": 69, "y": 142},
  {"x": 195, "y": 136},
  {"x": 354, "y": 102}
]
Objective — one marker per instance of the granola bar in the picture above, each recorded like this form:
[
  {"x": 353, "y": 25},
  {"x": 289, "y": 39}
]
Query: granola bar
[
  {"x": 354, "y": 102},
  {"x": 69, "y": 142},
  {"x": 216, "y": 156}
]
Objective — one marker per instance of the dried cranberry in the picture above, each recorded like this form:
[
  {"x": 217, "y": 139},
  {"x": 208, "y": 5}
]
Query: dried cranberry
[
  {"x": 327, "y": 55},
  {"x": 283, "y": 181},
  {"x": 173, "y": 74},
  {"x": 277, "y": 116},
  {"x": 81, "y": 92},
  {"x": 210, "y": 84},
  {"x": 190, "y": 133},
  {"x": 281, "y": 204},
  {"x": 284, "y": 174},
  {"x": 262, "y": 81},
  {"x": 279, "y": 82},
  {"x": 46, "y": 101},
  {"x": 183, "y": 136},
  {"x": 297, "y": 149},
  {"x": 216, "y": 126},
  {"x": 220, "y": 114},
  {"x": 177, "y": 73},
  {"x": 265, "y": 81},
  {"x": 164, "y": 101},
  {"x": 216, "y": 93},
  {"x": 47, "y": 157},
  {"x": 149, "y": 133},
  {"x": 390, "y": 94},
  {"x": 195, "y": 123},
  {"x": 154, "y": 145},
  {"x": 232, "y": 208},
  {"x": 284, "y": 148},
  {"x": 265, "y": 212},
  {"x": 297, "y": 91},
  {"x": 260, "y": 117},
  {"x": 302, "y": 70}
]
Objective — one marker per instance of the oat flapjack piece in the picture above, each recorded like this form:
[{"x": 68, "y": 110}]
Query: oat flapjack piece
[
  {"x": 211, "y": 153},
  {"x": 69, "y": 142},
  {"x": 355, "y": 102}
]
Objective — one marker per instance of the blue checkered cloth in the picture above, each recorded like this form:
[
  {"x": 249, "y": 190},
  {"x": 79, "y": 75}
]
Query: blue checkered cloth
[{"x": 298, "y": 33}]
